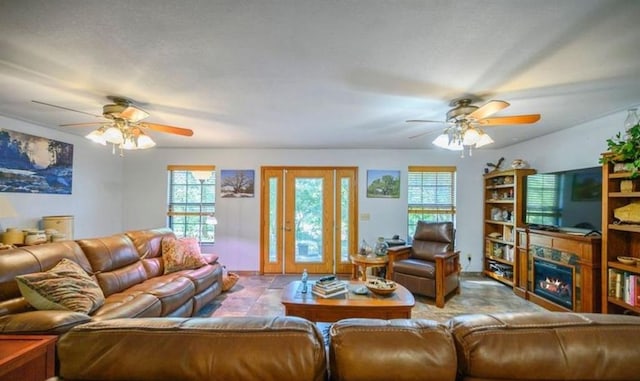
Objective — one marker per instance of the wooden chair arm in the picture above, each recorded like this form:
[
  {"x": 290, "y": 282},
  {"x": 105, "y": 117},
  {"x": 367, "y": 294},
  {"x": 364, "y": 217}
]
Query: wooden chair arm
[{"x": 396, "y": 253}]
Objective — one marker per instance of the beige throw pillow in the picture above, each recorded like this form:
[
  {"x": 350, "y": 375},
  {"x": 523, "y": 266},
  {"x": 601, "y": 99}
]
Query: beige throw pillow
[
  {"x": 181, "y": 254},
  {"x": 64, "y": 287}
]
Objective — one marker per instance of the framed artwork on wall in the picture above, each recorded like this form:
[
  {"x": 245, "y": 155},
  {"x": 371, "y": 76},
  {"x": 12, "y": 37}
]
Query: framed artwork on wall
[
  {"x": 237, "y": 183},
  {"x": 32, "y": 164},
  {"x": 383, "y": 183}
]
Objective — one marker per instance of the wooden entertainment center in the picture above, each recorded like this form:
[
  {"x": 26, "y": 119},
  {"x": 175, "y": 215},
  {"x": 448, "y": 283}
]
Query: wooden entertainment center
[{"x": 578, "y": 256}]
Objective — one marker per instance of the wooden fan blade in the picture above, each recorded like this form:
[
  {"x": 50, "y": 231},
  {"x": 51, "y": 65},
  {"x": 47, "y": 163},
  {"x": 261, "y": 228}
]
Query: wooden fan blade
[
  {"x": 85, "y": 124},
  {"x": 169, "y": 129},
  {"x": 488, "y": 109},
  {"x": 133, "y": 114},
  {"x": 506, "y": 120},
  {"x": 66, "y": 108}
]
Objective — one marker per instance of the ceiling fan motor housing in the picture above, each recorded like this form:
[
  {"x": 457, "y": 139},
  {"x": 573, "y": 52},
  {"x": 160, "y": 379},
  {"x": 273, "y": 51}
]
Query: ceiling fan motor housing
[
  {"x": 462, "y": 109},
  {"x": 113, "y": 111}
]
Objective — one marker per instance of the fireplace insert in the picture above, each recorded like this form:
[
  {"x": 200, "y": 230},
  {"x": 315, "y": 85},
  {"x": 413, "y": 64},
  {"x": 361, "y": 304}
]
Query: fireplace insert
[{"x": 553, "y": 282}]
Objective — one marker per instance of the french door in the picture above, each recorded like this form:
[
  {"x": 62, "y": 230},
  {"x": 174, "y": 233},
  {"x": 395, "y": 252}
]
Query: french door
[{"x": 309, "y": 219}]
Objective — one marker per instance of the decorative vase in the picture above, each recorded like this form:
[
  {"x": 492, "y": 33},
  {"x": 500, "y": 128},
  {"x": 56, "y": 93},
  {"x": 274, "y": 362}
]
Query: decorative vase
[
  {"x": 365, "y": 249},
  {"x": 381, "y": 247},
  {"x": 626, "y": 186}
]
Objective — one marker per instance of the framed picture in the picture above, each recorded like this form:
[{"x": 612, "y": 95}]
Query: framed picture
[
  {"x": 586, "y": 187},
  {"x": 31, "y": 164},
  {"x": 237, "y": 183},
  {"x": 383, "y": 183}
]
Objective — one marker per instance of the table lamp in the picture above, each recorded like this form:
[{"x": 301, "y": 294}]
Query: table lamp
[{"x": 6, "y": 211}]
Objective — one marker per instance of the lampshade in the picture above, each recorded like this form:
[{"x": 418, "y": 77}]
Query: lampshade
[
  {"x": 211, "y": 220},
  {"x": 201, "y": 175},
  {"x": 6, "y": 209}
]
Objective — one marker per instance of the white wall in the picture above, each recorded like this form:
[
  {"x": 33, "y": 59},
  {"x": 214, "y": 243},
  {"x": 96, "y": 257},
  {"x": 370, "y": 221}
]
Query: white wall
[
  {"x": 113, "y": 194},
  {"x": 238, "y": 230},
  {"x": 572, "y": 148},
  {"x": 96, "y": 196}
]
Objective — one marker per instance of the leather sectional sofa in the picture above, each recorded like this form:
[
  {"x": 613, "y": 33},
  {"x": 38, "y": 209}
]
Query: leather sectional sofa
[
  {"x": 519, "y": 346},
  {"x": 128, "y": 268}
]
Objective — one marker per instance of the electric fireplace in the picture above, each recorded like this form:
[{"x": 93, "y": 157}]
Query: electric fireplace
[{"x": 554, "y": 282}]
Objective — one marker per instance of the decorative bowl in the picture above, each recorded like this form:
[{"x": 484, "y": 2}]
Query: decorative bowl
[
  {"x": 627, "y": 260},
  {"x": 381, "y": 286}
]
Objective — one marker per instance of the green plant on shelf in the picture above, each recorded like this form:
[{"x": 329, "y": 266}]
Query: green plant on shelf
[{"x": 625, "y": 149}]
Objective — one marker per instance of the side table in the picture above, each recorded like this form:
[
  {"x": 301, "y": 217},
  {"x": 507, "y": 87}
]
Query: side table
[
  {"x": 363, "y": 261},
  {"x": 27, "y": 358}
]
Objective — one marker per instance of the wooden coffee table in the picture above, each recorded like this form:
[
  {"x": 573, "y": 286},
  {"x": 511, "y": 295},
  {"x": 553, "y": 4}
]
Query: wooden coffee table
[{"x": 395, "y": 306}]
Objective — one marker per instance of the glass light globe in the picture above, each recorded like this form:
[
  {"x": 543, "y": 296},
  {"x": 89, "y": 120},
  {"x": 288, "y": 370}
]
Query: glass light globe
[
  {"x": 470, "y": 137},
  {"x": 129, "y": 144},
  {"x": 113, "y": 135},
  {"x": 97, "y": 136},
  {"x": 484, "y": 140},
  {"x": 144, "y": 141}
]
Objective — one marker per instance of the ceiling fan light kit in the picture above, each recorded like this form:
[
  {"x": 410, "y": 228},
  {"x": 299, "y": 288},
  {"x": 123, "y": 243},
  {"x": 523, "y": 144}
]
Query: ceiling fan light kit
[{"x": 463, "y": 120}]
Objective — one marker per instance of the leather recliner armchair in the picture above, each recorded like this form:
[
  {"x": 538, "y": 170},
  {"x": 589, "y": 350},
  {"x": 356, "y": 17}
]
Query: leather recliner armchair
[{"x": 430, "y": 266}]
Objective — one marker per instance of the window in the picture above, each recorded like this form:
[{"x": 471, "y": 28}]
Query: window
[
  {"x": 431, "y": 196},
  {"x": 543, "y": 192},
  {"x": 192, "y": 202}
]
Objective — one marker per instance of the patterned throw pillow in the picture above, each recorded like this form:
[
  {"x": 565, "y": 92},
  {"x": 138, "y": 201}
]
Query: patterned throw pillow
[
  {"x": 65, "y": 287},
  {"x": 181, "y": 254}
]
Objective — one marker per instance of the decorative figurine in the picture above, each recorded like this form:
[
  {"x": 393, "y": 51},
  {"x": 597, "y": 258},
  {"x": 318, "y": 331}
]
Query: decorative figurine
[{"x": 496, "y": 166}]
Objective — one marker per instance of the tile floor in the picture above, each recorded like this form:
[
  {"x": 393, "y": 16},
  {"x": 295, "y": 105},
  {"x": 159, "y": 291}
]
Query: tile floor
[{"x": 257, "y": 295}]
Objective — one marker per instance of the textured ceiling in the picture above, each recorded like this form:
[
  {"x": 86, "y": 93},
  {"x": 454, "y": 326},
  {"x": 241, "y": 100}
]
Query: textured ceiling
[{"x": 315, "y": 73}]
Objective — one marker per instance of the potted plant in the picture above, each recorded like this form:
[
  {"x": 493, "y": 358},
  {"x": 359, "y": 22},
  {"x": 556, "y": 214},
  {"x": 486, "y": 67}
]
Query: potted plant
[{"x": 625, "y": 149}]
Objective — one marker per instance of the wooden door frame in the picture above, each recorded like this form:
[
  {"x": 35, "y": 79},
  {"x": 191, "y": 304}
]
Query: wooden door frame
[{"x": 340, "y": 172}]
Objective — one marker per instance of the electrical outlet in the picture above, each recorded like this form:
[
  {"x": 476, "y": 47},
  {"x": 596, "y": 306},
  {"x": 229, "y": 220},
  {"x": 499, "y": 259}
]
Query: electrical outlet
[{"x": 469, "y": 257}]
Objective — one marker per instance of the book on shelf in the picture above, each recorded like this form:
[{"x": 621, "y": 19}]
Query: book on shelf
[{"x": 625, "y": 286}]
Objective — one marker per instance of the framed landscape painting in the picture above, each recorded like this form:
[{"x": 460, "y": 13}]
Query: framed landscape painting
[
  {"x": 237, "y": 183},
  {"x": 383, "y": 183},
  {"x": 31, "y": 164}
]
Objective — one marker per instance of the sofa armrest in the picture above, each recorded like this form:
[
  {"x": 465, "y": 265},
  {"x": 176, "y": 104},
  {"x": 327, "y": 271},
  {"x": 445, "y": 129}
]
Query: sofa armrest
[{"x": 41, "y": 322}]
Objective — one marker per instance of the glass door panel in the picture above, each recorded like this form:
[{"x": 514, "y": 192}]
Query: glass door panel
[{"x": 308, "y": 220}]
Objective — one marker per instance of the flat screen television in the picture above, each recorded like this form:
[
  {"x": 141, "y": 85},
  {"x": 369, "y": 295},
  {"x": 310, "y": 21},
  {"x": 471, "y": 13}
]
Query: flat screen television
[{"x": 569, "y": 201}]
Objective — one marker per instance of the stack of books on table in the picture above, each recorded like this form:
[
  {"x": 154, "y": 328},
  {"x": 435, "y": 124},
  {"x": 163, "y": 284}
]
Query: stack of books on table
[{"x": 327, "y": 289}]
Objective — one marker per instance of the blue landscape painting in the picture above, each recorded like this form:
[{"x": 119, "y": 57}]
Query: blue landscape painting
[{"x": 31, "y": 164}]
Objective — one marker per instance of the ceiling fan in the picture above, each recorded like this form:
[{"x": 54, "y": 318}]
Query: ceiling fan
[
  {"x": 465, "y": 121},
  {"x": 124, "y": 126}
]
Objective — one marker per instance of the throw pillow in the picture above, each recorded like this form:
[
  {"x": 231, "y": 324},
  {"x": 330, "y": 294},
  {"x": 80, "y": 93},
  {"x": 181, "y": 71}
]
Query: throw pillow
[
  {"x": 65, "y": 287},
  {"x": 181, "y": 254}
]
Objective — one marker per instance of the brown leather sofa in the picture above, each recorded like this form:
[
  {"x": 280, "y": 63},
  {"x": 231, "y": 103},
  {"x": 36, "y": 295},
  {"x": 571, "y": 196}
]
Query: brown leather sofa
[
  {"x": 550, "y": 346},
  {"x": 128, "y": 268}
]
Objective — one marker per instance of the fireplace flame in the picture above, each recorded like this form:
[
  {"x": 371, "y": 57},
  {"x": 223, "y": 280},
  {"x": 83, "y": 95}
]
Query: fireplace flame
[{"x": 556, "y": 286}]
